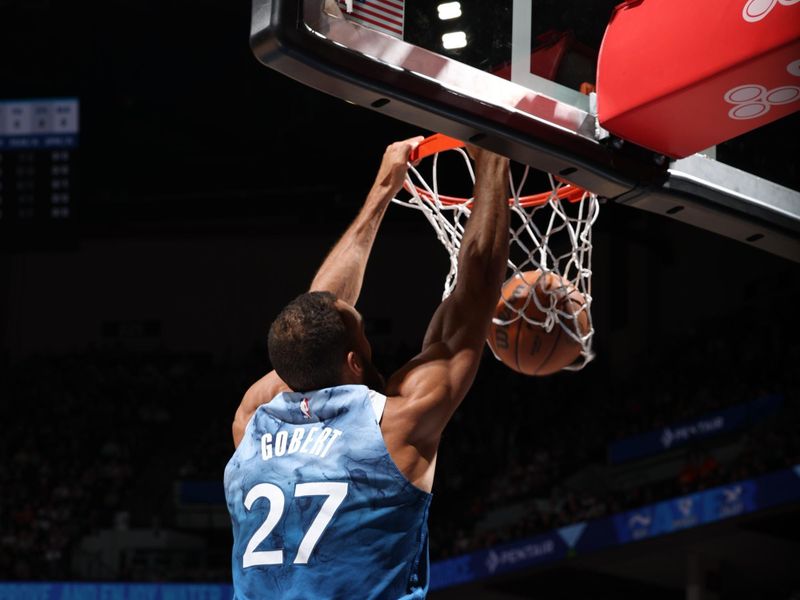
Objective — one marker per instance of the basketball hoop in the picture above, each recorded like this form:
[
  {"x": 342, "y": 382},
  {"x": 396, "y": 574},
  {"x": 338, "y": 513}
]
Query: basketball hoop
[{"x": 549, "y": 231}]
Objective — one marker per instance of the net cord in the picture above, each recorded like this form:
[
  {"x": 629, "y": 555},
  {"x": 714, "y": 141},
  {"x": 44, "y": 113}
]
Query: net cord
[{"x": 563, "y": 222}]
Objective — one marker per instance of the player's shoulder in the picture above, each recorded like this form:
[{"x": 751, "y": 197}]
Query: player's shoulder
[
  {"x": 261, "y": 392},
  {"x": 265, "y": 389}
]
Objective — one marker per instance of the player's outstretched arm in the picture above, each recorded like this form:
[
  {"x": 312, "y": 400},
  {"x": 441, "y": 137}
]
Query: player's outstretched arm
[
  {"x": 342, "y": 272},
  {"x": 427, "y": 391}
]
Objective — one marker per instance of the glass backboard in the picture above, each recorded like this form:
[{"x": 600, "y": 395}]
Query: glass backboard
[{"x": 516, "y": 77}]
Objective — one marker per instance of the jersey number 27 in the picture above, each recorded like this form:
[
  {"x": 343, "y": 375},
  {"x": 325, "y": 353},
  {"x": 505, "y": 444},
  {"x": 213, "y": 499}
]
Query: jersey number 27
[{"x": 335, "y": 492}]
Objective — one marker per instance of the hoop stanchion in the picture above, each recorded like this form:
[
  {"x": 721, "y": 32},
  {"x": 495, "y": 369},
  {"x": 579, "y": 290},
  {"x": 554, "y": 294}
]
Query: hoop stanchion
[{"x": 549, "y": 231}]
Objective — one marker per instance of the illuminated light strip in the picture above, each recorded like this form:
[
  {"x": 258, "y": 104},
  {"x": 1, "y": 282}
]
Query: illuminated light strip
[
  {"x": 449, "y": 10},
  {"x": 454, "y": 40}
]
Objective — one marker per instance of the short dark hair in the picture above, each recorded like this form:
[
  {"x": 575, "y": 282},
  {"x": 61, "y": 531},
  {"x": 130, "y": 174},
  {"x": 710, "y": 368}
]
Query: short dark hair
[{"x": 308, "y": 342}]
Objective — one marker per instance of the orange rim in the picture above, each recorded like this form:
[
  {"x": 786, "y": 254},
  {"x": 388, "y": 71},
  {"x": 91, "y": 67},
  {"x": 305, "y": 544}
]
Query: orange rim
[
  {"x": 441, "y": 143},
  {"x": 434, "y": 144}
]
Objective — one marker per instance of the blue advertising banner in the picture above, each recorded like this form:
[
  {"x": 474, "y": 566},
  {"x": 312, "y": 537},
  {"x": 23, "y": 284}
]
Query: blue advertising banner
[
  {"x": 500, "y": 559},
  {"x": 687, "y": 511},
  {"x": 669, "y": 516},
  {"x": 710, "y": 424}
]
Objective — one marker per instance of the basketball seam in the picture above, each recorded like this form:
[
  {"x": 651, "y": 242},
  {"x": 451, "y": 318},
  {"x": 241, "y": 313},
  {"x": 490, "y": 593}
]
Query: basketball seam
[{"x": 553, "y": 347}]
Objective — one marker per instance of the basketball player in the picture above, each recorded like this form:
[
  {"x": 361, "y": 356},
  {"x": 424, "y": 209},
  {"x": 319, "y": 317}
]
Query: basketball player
[{"x": 329, "y": 486}]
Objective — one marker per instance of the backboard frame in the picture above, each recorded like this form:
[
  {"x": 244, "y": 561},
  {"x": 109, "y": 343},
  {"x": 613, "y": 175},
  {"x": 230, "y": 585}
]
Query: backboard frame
[{"x": 309, "y": 41}]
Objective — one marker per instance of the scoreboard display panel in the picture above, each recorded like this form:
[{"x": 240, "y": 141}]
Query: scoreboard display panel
[{"x": 38, "y": 146}]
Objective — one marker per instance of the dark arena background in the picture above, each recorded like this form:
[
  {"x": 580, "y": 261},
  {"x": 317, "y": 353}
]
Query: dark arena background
[{"x": 176, "y": 194}]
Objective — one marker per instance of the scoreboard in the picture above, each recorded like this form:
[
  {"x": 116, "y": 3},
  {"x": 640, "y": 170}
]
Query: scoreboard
[{"x": 38, "y": 146}]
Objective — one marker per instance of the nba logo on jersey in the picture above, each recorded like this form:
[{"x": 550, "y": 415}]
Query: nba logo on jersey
[{"x": 304, "y": 408}]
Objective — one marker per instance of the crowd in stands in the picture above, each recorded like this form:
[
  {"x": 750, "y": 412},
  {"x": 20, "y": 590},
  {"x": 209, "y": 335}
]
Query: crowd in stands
[{"x": 97, "y": 440}]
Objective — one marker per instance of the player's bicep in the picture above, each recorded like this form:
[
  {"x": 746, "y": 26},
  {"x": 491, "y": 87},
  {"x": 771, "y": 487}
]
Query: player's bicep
[
  {"x": 435, "y": 382},
  {"x": 460, "y": 321},
  {"x": 432, "y": 385}
]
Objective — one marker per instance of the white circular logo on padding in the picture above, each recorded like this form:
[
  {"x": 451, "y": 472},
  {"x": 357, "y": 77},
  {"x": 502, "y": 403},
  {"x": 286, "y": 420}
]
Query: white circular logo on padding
[
  {"x": 748, "y": 111},
  {"x": 794, "y": 68},
  {"x": 745, "y": 93},
  {"x": 751, "y": 101},
  {"x": 755, "y": 10},
  {"x": 783, "y": 95}
]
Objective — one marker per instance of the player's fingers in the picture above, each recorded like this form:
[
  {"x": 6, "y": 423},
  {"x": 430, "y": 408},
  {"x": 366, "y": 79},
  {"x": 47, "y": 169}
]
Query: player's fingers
[
  {"x": 405, "y": 147},
  {"x": 415, "y": 142}
]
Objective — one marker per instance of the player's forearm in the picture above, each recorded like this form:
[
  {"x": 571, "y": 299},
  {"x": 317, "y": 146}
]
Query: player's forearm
[
  {"x": 484, "y": 248},
  {"x": 342, "y": 272}
]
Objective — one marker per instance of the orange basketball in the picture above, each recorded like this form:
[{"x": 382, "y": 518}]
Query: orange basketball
[{"x": 528, "y": 348}]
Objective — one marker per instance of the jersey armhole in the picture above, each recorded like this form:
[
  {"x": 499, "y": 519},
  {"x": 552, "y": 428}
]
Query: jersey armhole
[{"x": 378, "y": 402}]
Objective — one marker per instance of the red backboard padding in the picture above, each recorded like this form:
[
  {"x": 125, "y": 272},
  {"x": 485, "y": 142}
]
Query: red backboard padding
[{"x": 679, "y": 76}]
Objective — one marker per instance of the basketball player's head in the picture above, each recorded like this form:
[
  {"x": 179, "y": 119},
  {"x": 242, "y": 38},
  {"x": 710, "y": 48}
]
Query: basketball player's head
[{"x": 318, "y": 341}]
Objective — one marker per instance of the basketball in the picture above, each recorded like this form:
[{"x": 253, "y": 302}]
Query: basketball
[{"x": 526, "y": 347}]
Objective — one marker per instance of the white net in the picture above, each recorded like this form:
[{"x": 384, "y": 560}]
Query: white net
[{"x": 550, "y": 233}]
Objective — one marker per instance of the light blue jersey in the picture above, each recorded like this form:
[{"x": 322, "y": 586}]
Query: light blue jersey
[{"x": 319, "y": 509}]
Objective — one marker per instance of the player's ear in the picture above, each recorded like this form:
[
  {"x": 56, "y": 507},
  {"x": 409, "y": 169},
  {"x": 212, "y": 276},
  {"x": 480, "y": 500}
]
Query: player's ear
[{"x": 354, "y": 364}]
